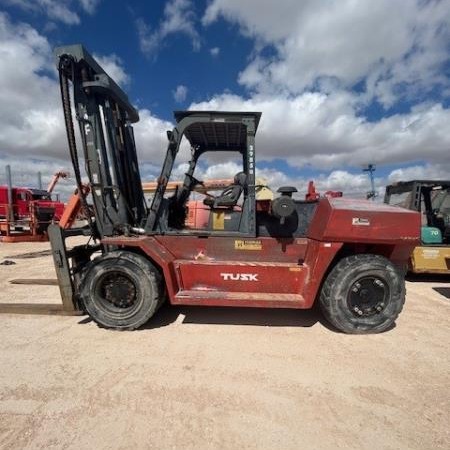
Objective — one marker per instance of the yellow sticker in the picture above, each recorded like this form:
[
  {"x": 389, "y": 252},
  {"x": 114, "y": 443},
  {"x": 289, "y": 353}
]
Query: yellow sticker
[
  {"x": 218, "y": 220},
  {"x": 240, "y": 244}
]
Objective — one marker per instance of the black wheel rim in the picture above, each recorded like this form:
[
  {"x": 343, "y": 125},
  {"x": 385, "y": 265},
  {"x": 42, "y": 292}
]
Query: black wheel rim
[
  {"x": 368, "y": 296},
  {"x": 117, "y": 292}
]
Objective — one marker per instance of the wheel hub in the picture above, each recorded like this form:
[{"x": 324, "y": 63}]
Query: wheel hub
[
  {"x": 368, "y": 296},
  {"x": 119, "y": 290}
]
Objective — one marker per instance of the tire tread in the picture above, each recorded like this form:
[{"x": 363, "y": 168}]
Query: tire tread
[
  {"x": 153, "y": 276},
  {"x": 330, "y": 306}
]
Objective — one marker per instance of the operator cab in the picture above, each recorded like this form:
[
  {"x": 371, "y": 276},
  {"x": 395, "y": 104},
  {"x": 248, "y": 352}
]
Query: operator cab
[
  {"x": 209, "y": 134},
  {"x": 245, "y": 206},
  {"x": 429, "y": 197}
]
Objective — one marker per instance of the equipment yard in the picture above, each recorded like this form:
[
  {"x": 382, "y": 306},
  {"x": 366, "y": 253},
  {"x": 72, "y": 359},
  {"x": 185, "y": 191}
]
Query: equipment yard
[{"x": 199, "y": 377}]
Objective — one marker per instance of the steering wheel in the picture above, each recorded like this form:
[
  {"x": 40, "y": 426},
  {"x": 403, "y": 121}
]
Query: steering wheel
[{"x": 194, "y": 180}]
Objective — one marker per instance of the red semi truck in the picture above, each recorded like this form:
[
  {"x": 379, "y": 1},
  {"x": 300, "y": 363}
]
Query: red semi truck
[{"x": 29, "y": 206}]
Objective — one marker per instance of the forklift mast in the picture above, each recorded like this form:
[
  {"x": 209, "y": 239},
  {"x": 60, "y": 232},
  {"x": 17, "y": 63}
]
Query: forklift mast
[{"x": 104, "y": 115}]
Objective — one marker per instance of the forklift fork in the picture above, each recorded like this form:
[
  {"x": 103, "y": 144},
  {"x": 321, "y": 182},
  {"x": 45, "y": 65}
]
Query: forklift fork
[{"x": 69, "y": 306}]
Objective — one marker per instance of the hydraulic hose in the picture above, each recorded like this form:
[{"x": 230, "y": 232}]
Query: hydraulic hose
[{"x": 66, "y": 63}]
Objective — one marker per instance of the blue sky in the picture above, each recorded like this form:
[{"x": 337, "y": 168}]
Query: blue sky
[
  {"x": 340, "y": 84},
  {"x": 154, "y": 77}
]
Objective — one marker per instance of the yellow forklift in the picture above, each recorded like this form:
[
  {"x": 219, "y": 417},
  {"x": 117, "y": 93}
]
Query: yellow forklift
[{"x": 432, "y": 199}]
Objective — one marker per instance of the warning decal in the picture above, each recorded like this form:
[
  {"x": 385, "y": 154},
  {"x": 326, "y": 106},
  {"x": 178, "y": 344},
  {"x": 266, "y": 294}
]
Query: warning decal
[{"x": 241, "y": 244}]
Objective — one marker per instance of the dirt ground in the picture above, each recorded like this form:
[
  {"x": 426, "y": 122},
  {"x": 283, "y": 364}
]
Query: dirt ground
[{"x": 220, "y": 378}]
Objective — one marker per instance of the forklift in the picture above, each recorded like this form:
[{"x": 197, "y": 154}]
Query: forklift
[
  {"x": 348, "y": 254},
  {"x": 431, "y": 198}
]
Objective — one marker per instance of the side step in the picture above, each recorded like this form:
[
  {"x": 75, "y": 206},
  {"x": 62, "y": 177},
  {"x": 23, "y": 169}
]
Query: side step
[{"x": 245, "y": 299}]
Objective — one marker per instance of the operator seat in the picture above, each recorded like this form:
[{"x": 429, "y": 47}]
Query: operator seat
[{"x": 230, "y": 195}]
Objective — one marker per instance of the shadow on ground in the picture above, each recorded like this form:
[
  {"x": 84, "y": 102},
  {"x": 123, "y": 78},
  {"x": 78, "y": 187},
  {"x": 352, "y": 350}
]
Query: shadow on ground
[
  {"x": 432, "y": 278},
  {"x": 262, "y": 317},
  {"x": 215, "y": 315},
  {"x": 30, "y": 255},
  {"x": 428, "y": 278},
  {"x": 444, "y": 291},
  {"x": 169, "y": 314}
]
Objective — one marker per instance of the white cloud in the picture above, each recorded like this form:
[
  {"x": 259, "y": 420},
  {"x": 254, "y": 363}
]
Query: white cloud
[
  {"x": 148, "y": 41},
  {"x": 395, "y": 48},
  {"x": 180, "y": 93},
  {"x": 113, "y": 66},
  {"x": 420, "y": 172},
  {"x": 355, "y": 185},
  {"x": 351, "y": 184},
  {"x": 32, "y": 135},
  {"x": 89, "y": 6},
  {"x": 151, "y": 139},
  {"x": 324, "y": 131},
  {"x": 214, "y": 51},
  {"x": 179, "y": 17},
  {"x": 306, "y": 62},
  {"x": 58, "y": 10},
  {"x": 30, "y": 111}
]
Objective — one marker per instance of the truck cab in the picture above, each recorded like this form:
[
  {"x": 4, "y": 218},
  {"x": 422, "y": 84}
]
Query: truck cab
[{"x": 30, "y": 204}]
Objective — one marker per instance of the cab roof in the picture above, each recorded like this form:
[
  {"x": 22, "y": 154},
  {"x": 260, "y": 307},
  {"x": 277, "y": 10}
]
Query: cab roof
[
  {"x": 405, "y": 186},
  {"x": 217, "y": 130}
]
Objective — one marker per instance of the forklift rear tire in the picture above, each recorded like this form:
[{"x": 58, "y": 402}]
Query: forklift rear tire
[
  {"x": 121, "y": 290},
  {"x": 363, "y": 294}
]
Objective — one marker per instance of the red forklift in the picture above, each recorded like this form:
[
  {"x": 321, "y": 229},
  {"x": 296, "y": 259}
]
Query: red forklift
[{"x": 349, "y": 255}]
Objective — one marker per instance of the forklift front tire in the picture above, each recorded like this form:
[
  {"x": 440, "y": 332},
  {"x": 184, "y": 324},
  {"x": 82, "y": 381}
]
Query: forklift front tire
[
  {"x": 362, "y": 294},
  {"x": 121, "y": 290}
]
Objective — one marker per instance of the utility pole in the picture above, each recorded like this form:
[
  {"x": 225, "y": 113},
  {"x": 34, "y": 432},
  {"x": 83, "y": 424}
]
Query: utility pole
[{"x": 372, "y": 193}]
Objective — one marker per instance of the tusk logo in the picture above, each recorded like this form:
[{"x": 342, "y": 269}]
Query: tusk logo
[{"x": 239, "y": 276}]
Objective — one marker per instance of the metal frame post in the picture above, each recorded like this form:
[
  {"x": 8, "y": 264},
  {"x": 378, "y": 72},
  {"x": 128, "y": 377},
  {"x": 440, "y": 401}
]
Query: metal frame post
[
  {"x": 249, "y": 164},
  {"x": 10, "y": 196}
]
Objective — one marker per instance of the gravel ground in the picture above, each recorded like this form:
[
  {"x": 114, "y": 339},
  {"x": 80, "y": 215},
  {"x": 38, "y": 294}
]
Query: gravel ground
[{"x": 220, "y": 378}]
